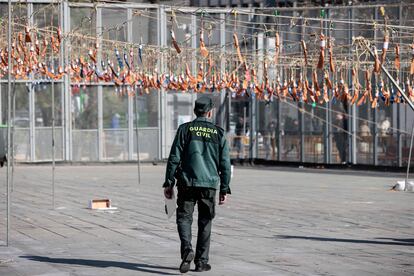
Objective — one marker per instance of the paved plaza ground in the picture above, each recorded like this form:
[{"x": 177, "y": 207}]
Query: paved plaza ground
[{"x": 278, "y": 221}]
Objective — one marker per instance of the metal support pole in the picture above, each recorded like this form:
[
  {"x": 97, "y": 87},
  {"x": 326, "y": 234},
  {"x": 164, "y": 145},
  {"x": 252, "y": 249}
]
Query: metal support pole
[
  {"x": 279, "y": 131},
  {"x": 130, "y": 128},
  {"x": 194, "y": 64},
  {"x": 32, "y": 128},
  {"x": 53, "y": 135},
  {"x": 277, "y": 103},
  {"x": 99, "y": 32},
  {"x": 137, "y": 134},
  {"x": 399, "y": 136},
  {"x": 130, "y": 99},
  {"x": 66, "y": 99},
  {"x": 160, "y": 121},
  {"x": 8, "y": 203},
  {"x": 302, "y": 130},
  {"x": 352, "y": 111},
  {"x": 12, "y": 131},
  {"x": 301, "y": 116},
  {"x": 375, "y": 146},
  {"x": 254, "y": 134},
  {"x": 224, "y": 119},
  {"x": 100, "y": 124},
  {"x": 244, "y": 131},
  {"x": 164, "y": 132},
  {"x": 32, "y": 108},
  {"x": 253, "y": 102},
  {"x": 374, "y": 81},
  {"x": 326, "y": 140}
]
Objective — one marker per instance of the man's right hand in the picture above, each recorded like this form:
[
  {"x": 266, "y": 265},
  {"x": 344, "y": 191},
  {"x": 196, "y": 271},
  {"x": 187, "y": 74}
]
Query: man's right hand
[
  {"x": 222, "y": 199},
  {"x": 168, "y": 192}
]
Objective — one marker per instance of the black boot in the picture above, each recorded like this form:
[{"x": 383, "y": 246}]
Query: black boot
[
  {"x": 186, "y": 262},
  {"x": 200, "y": 267}
]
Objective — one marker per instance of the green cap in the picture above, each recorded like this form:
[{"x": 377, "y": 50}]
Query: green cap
[{"x": 203, "y": 104}]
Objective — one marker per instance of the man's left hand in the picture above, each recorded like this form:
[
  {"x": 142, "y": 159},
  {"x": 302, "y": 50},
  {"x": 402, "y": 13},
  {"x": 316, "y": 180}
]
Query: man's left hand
[
  {"x": 168, "y": 192},
  {"x": 222, "y": 199}
]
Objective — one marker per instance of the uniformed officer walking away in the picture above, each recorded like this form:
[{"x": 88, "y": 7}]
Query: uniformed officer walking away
[{"x": 200, "y": 161}]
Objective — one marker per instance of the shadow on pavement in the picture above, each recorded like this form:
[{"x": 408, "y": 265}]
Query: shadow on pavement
[
  {"x": 384, "y": 241},
  {"x": 102, "y": 264}
]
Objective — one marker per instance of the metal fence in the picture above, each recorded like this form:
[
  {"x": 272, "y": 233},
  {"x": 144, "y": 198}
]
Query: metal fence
[{"x": 93, "y": 123}]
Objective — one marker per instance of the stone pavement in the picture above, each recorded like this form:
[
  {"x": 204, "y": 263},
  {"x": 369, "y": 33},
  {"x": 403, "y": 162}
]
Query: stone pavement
[{"x": 277, "y": 222}]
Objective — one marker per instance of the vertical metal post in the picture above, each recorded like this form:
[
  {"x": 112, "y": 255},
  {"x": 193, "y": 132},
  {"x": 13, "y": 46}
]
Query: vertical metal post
[
  {"x": 130, "y": 99},
  {"x": 137, "y": 134},
  {"x": 10, "y": 63},
  {"x": 254, "y": 135},
  {"x": 130, "y": 128},
  {"x": 244, "y": 131},
  {"x": 374, "y": 86},
  {"x": 300, "y": 113},
  {"x": 253, "y": 102},
  {"x": 160, "y": 121},
  {"x": 66, "y": 99},
  {"x": 100, "y": 89},
  {"x": 328, "y": 130},
  {"x": 375, "y": 145},
  {"x": 326, "y": 144},
  {"x": 53, "y": 140},
  {"x": 53, "y": 133},
  {"x": 100, "y": 124},
  {"x": 12, "y": 132},
  {"x": 222, "y": 68},
  {"x": 228, "y": 92},
  {"x": 32, "y": 128},
  {"x": 162, "y": 42},
  {"x": 352, "y": 111},
  {"x": 194, "y": 46},
  {"x": 399, "y": 136},
  {"x": 302, "y": 132},
  {"x": 131, "y": 109},
  {"x": 32, "y": 107},
  {"x": 279, "y": 131}
]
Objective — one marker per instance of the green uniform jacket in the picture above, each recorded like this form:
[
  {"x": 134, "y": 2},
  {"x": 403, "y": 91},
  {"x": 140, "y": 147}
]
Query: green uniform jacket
[{"x": 199, "y": 157}]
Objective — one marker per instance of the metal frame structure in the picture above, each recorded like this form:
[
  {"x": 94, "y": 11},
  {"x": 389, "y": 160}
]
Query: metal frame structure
[{"x": 164, "y": 127}]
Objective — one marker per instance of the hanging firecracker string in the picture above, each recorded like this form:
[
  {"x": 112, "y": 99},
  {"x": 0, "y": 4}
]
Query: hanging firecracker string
[
  {"x": 305, "y": 52},
  {"x": 397, "y": 64},
  {"x": 173, "y": 39},
  {"x": 277, "y": 47},
  {"x": 377, "y": 62},
  {"x": 322, "y": 39},
  {"x": 30, "y": 57},
  {"x": 385, "y": 47},
  {"x": 203, "y": 48},
  {"x": 331, "y": 60}
]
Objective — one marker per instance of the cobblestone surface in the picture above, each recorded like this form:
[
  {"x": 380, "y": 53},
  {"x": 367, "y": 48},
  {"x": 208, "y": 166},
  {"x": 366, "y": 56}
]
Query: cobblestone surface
[{"x": 277, "y": 222}]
